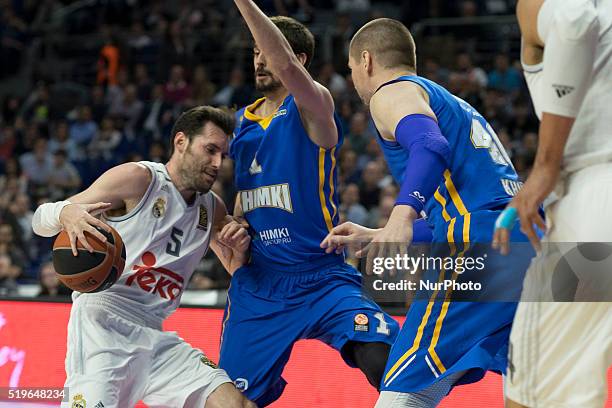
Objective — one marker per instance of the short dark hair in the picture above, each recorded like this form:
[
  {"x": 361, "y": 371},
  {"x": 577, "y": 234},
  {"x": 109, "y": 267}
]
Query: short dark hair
[
  {"x": 192, "y": 121},
  {"x": 388, "y": 40},
  {"x": 299, "y": 37}
]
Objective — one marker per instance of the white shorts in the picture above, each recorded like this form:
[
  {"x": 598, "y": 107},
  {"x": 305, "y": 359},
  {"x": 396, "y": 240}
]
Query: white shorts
[
  {"x": 115, "y": 360},
  {"x": 560, "y": 351}
]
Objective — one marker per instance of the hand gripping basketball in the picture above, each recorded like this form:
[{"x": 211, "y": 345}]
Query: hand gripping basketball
[{"x": 78, "y": 218}]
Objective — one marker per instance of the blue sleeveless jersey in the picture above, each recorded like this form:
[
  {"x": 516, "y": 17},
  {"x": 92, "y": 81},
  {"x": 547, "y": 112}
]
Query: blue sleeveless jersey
[
  {"x": 287, "y": 185},
  {"x": 480, "y": 175}
]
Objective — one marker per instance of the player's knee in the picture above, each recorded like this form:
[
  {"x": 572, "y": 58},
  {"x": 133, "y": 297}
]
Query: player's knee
[
  {"x": 227, "y": 396},
  {"x": 371, "y": 358}
]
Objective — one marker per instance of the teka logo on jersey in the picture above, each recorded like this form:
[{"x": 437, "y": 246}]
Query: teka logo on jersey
[
  {"x": 275, "y": 196},
  {"x": 156, "y": 280}
]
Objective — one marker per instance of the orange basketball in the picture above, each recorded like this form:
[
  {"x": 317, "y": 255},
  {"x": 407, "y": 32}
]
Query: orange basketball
[{"x": 89, "y": 272}]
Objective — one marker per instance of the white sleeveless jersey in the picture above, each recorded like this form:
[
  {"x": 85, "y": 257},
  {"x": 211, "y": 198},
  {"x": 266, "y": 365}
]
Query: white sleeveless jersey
[
  {"x": 590, "y": 141},
  {"x": 164, "y": 239}
]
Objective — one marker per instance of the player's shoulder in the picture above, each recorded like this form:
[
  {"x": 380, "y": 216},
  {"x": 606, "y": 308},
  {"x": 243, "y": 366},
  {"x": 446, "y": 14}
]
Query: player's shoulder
[
  {"x": 133, "y": 176},
  {"x": 137, "y": 171},
  {"x": 393, "y": 102},
  {"x": 389, "y": 94},
  {"x": 576, "y": 18}
]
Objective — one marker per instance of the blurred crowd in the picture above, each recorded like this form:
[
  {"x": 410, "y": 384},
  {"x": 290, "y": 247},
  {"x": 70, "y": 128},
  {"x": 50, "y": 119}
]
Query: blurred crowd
[{"x": 135, "y": 65}]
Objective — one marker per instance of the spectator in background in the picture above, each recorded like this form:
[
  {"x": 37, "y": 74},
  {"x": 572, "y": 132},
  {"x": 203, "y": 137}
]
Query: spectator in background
[
  {"x": 83, "y": 131},
  {"x": 108, "y": 62},
  {"x": 174, "y": 49},
  {"x": 8, "y": 276},
  {"x": 50, "y": 286},
  {"x": 11, "y": 245},
  {"x": 350, "y": 206},
  {"x": 13, "y": 34},
  {"x": 37, "y": 107},
  {"x": 330, "y": 79},
  {"x": 105, "y": 142},
  {"x": 177, "y": 90},
  {"x": 202, "y": 89},
  {"x": 60, "y": 140},
  {"x": 468, "y": 73},
  {"x": 342, "y": 33},
  {"x": 434, "y": 72},
  {"x": 236, "y": 93},
  {"x": 13, "y": 176},
  {"x": 129, "y": 108},
  {"x": 10, "y": 108},
  {"x": 37, "y": 164},
  {"x": 370, "y": 186},
  {"x": 26, "y": 136},
  {"x": 349, "y": 172},
  {"x": 99, "y": 106},
  {"x": 137, "y": 37},
  {"x": 358, "y": 135},
  {"x": 505, "y": 77},
  {"x": 21, "y": 210},
  {"x": 380, "y": 214},
  {"x": 143, "y": 82},
  {"x": 114, "y": 93},
  {"x": 157, "y": 152},
  {"x": 157, "y": 114},
  {"x": 64, "y": 179},
  {"x": 352, "y": 6},
  {"x": 372, "y": 153},
  {"x": 301, "y": 10},
  {"x": 8, "y": 141}
]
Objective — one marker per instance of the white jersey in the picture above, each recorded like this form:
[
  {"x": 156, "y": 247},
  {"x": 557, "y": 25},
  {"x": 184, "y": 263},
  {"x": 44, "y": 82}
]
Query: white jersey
[
  {"x": 164, "y": 239},
  {"x": 590, "y": 141}
]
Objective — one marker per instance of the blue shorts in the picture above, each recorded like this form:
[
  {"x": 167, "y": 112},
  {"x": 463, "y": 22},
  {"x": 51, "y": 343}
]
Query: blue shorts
[
  {"x": 448, "y": 332},
  {"x": 269, "y": 310}
]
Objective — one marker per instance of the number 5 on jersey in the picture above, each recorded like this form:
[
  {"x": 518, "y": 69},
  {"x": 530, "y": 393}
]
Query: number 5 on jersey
[{"x": 174, "y": 247}]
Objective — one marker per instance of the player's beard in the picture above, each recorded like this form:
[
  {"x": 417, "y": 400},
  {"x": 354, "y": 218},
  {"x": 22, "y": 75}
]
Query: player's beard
[
  {"x": 269, "y": 84},
  {"x": 193, "y": 176}
]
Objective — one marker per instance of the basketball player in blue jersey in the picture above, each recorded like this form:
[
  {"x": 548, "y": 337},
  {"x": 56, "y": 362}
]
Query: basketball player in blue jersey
[
  {"x": 285, "y": 151},
  {"x": 450, "y": 165}
]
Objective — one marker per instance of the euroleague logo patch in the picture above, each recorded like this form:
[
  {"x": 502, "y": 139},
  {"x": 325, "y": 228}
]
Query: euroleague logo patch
[
  {"x": 362, "y": 323},
  {"x": 242, "y": 384}
]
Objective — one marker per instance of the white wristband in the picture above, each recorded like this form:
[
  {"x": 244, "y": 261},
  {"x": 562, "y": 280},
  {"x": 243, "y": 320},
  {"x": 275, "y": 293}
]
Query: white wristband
[{"x": 45, "y": 221}]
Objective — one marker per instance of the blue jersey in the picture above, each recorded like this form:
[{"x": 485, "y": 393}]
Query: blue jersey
[
  {"x": 480, "y": 175},
  {"x": 286, "y": 183}
]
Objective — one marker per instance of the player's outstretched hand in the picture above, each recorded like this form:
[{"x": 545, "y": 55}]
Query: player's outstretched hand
[
  {"x": 349, "y": 235},
  {"x": 235, "y": 234},
  {"x": 76, "y": 219},
  {"x": 526, "y": 206}
]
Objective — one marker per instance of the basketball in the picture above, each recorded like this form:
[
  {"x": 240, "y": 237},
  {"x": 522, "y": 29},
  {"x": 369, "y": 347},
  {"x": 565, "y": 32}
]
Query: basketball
[{"x": 89, "y": 272}]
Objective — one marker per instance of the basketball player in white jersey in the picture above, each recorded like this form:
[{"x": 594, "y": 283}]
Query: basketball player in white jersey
[
  {"x": 168, "y": 218},
  {"x": 560, "y": 351}
]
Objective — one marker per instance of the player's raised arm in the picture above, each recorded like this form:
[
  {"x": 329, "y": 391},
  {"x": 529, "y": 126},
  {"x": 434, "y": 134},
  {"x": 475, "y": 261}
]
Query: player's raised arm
[
  {"x": 112, "y": 190},
  {"x": 231, "y": 239},
  {"x": 314, "y": 101},
  {"x": 402, "y": 114}
]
